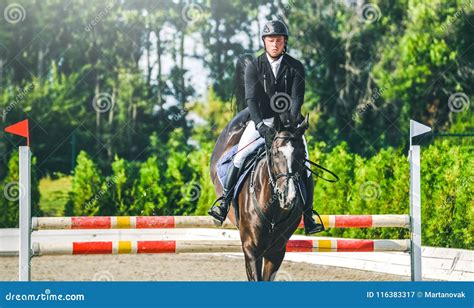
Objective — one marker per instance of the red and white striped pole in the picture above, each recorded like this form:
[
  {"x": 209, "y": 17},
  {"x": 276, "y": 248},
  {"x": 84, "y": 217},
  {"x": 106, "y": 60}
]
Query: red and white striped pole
[
  {"x": 174, "y": 222},
  {"x": 213, "y": 246}
]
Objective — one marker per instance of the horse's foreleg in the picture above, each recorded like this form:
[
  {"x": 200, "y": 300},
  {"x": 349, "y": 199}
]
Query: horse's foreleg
[
  {"x": 253, "y": 265},
  {"x": 272, "y": 264}
]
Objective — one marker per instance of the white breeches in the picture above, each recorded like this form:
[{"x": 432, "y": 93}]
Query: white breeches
[{"x": 250, "y": 134}]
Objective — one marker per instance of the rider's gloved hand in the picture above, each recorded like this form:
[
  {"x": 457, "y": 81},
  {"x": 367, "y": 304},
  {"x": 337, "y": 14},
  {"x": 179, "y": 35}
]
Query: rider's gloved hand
[{"x": 264, "y": 130}]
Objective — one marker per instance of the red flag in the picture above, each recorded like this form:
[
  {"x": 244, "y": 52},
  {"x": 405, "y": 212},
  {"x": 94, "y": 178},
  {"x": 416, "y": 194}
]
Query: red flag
[{"x": 20, "y": 128}]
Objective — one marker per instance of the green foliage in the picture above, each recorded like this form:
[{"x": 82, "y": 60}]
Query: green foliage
[
  {"x": 180, "y": 180},
  {"x": 200, "y": 161},
  {"x": 364, "y": 79},
  {"x": 448, "y": 203},
  {"x": 11, "y": 191},
  {"x": 380, "y": 185},
  {"x": 54, "y": 194},
  {"x": 411, "y": 65},
  {"x": 86, "y": 187},
  {"x": 121, "y": 194},
  {"x": 149, "y": 197}
]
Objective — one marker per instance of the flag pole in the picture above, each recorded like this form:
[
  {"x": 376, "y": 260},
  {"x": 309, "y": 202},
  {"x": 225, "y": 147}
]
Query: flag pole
[
  {"x": 415, "y": 201},
  {"x": 24, "y": 191},
  {"x": 25, "y": 213}
]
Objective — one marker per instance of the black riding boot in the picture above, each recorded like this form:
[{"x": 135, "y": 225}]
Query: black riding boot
[
  {"x": 310, "y": 225},
  {"x": 220, "y": 212}
]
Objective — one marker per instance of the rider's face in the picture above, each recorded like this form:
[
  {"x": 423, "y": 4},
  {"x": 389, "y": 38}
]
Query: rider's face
[{"x": 274, "y": 44}]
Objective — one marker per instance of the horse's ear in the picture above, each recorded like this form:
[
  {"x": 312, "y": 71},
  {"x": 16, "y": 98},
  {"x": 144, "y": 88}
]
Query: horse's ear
[
  {"x": 277, "y": 123},
  {"x": 303, "y": 127}
]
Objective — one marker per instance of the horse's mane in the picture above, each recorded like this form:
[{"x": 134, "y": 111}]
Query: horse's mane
[{"x": 239, "y": 80}]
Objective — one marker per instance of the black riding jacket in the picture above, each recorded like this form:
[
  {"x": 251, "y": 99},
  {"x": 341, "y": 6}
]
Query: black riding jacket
[{"x": 261, "y": 85}]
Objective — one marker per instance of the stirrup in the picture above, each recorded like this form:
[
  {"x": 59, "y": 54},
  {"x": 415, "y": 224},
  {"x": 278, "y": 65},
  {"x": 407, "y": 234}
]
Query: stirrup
[
  {"x": 213, "y": 214},
  {"x": 319, "y": 225},
  {"x": 319, "y": 228},
  {"x": 319, "y": 217}
]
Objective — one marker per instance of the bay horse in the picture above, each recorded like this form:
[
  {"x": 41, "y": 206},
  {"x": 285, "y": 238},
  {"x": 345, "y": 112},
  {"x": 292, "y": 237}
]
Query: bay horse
[{"x": 270, "y": 202}]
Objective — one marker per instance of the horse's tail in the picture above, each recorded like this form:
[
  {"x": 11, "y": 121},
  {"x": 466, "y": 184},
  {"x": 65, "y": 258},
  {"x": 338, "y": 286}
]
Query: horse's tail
[{"x": 239, "y": 80}]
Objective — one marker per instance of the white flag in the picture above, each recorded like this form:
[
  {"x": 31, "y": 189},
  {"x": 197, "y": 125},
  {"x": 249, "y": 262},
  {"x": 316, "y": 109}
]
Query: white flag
[{"x": 417, "y": 129}]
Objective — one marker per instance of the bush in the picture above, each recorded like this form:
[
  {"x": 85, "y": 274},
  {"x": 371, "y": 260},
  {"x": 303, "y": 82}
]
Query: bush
[
  {"x": 11, "y": 191},
  {"x": 86, "y": 188},
  {"x": 149, "y": 196},
  {"x": 380, "y": 185},
  {"x": 447, "y": 200}
]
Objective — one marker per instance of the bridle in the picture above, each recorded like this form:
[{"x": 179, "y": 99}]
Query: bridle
[
  {"x": 272, "y": 223},
  {"x": 288, "y": 175}
]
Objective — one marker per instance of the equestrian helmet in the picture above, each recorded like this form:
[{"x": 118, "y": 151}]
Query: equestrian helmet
[{"x": 275, "y": 27}]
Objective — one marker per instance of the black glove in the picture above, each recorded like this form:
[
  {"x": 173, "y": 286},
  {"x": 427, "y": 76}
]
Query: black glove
[{"x": 265, "y": 130}]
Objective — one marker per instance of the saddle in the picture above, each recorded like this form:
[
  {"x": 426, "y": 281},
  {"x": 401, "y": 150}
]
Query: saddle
[{"x": 225, "y": 163}]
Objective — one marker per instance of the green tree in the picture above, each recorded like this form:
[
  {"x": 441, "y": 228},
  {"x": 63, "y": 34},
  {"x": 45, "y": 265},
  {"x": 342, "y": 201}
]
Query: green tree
[
  {"x": 150, "y": 197},
  {"x": 86, "y": 188}
]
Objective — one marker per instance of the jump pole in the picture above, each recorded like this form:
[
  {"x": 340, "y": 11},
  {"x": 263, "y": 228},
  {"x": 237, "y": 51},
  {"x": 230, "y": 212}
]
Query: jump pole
[
  {"x": 24, "y": 192},
  {"x": 174, "y": 222},
  {"x": 213, "y": 246}
]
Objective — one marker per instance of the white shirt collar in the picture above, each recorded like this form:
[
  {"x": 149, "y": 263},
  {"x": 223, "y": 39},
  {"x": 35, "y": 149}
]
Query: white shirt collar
[{"x": 277, "y": 62}]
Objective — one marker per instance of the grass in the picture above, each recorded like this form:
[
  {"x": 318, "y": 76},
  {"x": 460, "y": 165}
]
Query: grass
[{"x": 54, "y": 195}]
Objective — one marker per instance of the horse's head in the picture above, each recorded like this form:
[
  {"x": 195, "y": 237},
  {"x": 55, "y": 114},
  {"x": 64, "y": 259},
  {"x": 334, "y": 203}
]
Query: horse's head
[{"x": 287, "y": 161}]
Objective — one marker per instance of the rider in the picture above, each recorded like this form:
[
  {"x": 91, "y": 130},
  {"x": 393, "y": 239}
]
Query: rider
[{"x": 272, "y": 72}]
